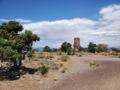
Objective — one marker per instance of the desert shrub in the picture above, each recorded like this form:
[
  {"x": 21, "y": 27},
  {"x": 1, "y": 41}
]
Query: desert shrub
[
  {"x": 59, "y": 53},
  {"x": 43, "y": 70},
  {"x": 55, "y": 67},
  {"x": 114, "y": 53},
  {"x": 93, "y": 63},
  {"x": 41, "y": 56},
  {"x": 61, "y": 65},
  {"x": 70, "y": 52},
  {"x": 49, "y": 57},
  {"x": 64, "y": 58},
  {"x": 1, "y": 78},
  {"x": 63, "y": 70},
  {"x": 79, "y": 54}
]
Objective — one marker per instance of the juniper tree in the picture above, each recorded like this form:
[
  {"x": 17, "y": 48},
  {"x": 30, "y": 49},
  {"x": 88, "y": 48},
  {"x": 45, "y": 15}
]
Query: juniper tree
[{"x": 15, "y": 44}]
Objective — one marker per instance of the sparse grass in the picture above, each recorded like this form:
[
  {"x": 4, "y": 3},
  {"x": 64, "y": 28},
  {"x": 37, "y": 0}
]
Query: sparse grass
[
  {"x": 64, "y": 58},
  {"x": 41, "y": 56},
  {"x": 61, "y": 65},
  {"x": 49, "y": 57},
  {"x": 59, "y": 53},
  {"x": 93, "y": 64},
  {"x": 55, "y": 67},
  {"x": 114, "y": 53},
  {"x": 63, "y": 70},
  {"x": 43, "y": 69}
]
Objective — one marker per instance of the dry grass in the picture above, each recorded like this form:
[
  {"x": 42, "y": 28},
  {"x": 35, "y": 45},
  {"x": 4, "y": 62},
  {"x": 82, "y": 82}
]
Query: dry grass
[{"x": 64, "y": 58}]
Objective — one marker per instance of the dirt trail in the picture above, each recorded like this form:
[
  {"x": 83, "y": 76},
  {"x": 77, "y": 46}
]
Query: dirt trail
[{"x": 106, "y": 77}]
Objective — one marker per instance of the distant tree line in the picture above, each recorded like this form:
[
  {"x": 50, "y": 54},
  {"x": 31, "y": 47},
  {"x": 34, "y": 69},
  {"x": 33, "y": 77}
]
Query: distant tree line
[{"x": 66, "y": 47}]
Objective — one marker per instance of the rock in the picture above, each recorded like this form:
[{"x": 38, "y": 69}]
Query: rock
[{"x": 55, "y": 78}]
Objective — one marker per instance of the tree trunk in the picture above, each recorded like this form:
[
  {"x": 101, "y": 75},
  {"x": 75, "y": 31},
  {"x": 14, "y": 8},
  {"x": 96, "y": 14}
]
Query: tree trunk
[
  {"x": 23, "y": 56},
  {"x": 20, "y": 63},
  {"x": 15, "y": 63}
]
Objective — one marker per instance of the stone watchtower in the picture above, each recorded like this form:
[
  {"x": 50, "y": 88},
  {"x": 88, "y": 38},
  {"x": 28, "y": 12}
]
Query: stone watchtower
[{"x": 76, "y": 43}]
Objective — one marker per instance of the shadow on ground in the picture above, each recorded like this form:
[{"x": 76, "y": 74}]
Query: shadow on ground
[{"x": 13, "y": 73}]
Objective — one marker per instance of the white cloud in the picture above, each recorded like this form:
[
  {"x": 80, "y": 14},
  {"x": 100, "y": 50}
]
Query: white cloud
[
  {"x": 55, "y": 32},
  {"x": 19, "y": 20},
  {"x": 104, "y": 30},
  {"x": 111, "y": 12}
]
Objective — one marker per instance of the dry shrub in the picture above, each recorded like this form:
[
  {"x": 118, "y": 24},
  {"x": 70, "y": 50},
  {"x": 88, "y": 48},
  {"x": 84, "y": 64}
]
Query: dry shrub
[
  {"x": 49, "y": 57},
  {"x": 43, "y": 69},
  {"x": 55, "y": 66},
  {"x": 40, "y": 56},
  {"x": 93, "y": 64},
  {"x": 61, "y": 65},
  {"x": 63, "y": 70},
  {"x": 114, "y": 53},
  {"x": 64, "y": 58}
]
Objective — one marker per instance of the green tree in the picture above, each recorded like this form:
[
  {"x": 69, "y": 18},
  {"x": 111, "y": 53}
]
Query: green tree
[
  {"x": 101, "y": 48},
  {"x": 66, "y": 47},
  {"x": 92, "y": 47},
  {"x": 47, "y": 49},
  {"x": 14, "y": 44},
  {"x": 115, "y": 49},
  {"x": 81, "y": 49},
  {"x": 54, "y": 49}
]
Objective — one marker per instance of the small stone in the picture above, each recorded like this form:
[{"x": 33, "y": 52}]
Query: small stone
[{"x": 55, "y": 79}]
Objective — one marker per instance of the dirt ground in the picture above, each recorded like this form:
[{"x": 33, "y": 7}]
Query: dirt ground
[
  {"x": 105, "y": 77},
  {"x": 78, "y": 76}
]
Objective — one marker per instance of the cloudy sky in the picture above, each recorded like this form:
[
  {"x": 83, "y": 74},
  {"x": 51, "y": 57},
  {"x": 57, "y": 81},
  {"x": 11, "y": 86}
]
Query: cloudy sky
[{"x": 56, "y": 21}]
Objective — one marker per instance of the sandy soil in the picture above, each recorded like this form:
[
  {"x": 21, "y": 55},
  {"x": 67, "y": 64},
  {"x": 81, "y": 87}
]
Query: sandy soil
[
  {"x": 78, "y": 76},
  {"x": 104, "y": 77}
]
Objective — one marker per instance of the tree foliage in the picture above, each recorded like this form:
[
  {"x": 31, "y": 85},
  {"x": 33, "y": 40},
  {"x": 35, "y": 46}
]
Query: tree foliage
[
  {"x": 66, "y": 46},
  {"x": 47, "y": 49},
  {"x": 101, "y": 48},
  {"x": 92, "y": 47},
  {"x": 15, "y": 44}
]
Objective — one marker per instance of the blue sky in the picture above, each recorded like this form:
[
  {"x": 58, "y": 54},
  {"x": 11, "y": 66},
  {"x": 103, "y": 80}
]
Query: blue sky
[
  {"x": 37, "y": 10},
  {"x": 56, "y": 21}
]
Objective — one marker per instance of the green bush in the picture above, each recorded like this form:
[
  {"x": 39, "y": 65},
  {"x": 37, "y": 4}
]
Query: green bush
[
  {"x": 43, "y": 69},
  {"x": 1, "y": 78},
  {"x": 70, "y": 52}
]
